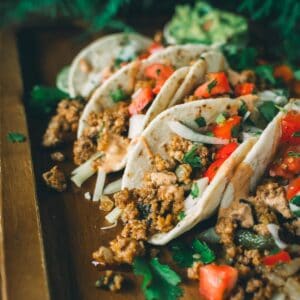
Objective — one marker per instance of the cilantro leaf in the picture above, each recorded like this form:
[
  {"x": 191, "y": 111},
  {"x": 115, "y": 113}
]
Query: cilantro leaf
[
  {"x": 181, "y": 215},
  {"x": 195, "y": 190},
  {"x": 200, "y": 121},
  {"x": 266, "y": 72},
  {"x": 118, "y": 95},
  {"x": 294, "y": 154},
  {"x": 297, "y": 74},
  {"x": 44, "y": 99},
  {"x": 296, "y": 213},
  {"x": 296, "y": 134},
  {"x": 220, "y": 118},
  {"x": 235, "y": 131},
  {"x": 16, "y": 137},
  {"x": 159, "y": 281},
  {"x": 206, "y": 254},
  {"x": 243, "y": 109},
  {"x": 211, "y": 85},
  {"x": 296, "y": 200},
  {"x": 192, "y": 158},
  {"x": 182, "y": 254},
  {"x": 268, "y": 110}
]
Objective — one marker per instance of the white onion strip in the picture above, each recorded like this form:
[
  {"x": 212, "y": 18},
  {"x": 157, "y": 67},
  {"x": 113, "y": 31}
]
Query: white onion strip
[
  {"x": 273, "y": 228},
  {"x": 109, "y": 226},
  {"x": 99, "y": 185},
  {"x": 189, "y": 134},
  {"x": 114, "y": 215},
  {"x": 88, "y": 162},
  {"x": 136, "y": 125},
  {"x": 113, "y": 187}
]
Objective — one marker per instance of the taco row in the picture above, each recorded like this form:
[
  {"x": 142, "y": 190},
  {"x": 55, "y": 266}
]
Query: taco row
[{"x": 192, "y": 138}]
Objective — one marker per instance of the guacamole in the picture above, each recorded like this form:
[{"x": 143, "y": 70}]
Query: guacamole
[{"x": 204, "y": 24}]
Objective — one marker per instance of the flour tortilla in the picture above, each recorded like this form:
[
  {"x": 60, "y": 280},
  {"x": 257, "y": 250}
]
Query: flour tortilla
[
  {"x": 252, "y": 168},
  {"x": 178, "y": 56},
  {"x": 101, "y": 54},
  {"x": 158, "y": 133}
]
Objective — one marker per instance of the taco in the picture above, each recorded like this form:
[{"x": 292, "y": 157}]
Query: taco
[
  {"x": 109, "y": 121},
  {"x": 258, "y": 227},
  {"x": 99, "y": 60}
]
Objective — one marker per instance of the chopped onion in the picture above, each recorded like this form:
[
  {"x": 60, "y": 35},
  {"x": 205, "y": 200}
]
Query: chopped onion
[
  {"x": 113, "y": 187},
  {"x": 87, "y": 163},
  {"x": 136, "y": 125},
  {"x": 275, "y": 96},
  {"x": 294, "y": 207},
  {"x": 189, "y": 202},
  {"x": 278, "y": 296},
  {"x": 95, "y": 263},
  {"x": 99, "y": 185},
  {"x": 87, "y": 196},
  {"x": 189, "y": 134},
  {"x": 85, "y": 171},
  {"x": 109, "y": 226},
  {"x": 114, "y": 215},
  {"x": 246, "y": 116},
  {"x": 136, "y": 93},
  {"x": 273, "y": 228}
]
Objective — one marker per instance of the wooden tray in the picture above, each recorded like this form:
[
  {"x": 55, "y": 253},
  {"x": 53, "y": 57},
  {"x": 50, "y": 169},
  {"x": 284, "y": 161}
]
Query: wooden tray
[{"x": 46, "y": 238}]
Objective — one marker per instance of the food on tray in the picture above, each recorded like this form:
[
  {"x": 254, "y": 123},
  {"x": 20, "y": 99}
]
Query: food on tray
[{"x": 55, "y": 179}]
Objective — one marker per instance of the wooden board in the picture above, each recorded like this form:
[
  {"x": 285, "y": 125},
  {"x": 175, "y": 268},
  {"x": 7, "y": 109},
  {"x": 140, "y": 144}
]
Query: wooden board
[
  {"x": 23, "y": 271},
  {"x": 70, "y": 225}
]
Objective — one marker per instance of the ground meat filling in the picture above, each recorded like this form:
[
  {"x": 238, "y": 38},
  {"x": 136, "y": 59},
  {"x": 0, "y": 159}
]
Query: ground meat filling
[
  {"x": 63, "y": 126},
  {"x": 102, "y": 127},
  {"x": 110, "y": 280},
  {"x": 156, "y": 207},
  {"x": 55, "y": 179},
  {"x": 268, "y": 205}
]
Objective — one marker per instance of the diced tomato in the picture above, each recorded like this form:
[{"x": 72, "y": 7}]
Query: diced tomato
[
  {"x": 213, "y": 168},
  {"x": 142, "y": 99},
  {"x": 293, "y": 188},
  {"x": 215, "y": 282},
  {"x": 290, "y": 126},
  {"x": 158, "y": 71},
  {"x": 224, "y": 130},
  {"x": 280, "y": 257},
  {"x": 217, "y": 84},
  {"x": 284, "y": 72},
  {"x": 245, "y": 88},
  {"x": 288, "y": 165},
  {"x": 226, "y": 150}
]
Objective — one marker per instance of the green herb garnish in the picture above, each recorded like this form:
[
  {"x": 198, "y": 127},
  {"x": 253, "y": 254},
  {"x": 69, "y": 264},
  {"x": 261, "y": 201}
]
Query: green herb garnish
[
  {"x": 195, "y": 190},
  {"x": 182, "y": 254},
  {"x": 296, "y": 134},
  {"x": 211, "y": 85},
  {"x": 266, "y": 72},
  {"x": 243, "y": 109},
  {"x": 297, "y": 213},
  {"x": 206, "y": 254},
  {"x": 209, "y": 133},
  {"x": 192, "y": 158},
  {"x": 16, "y": 137},
  {"x": 44, "y": 99},
  {"x": 159, "y": 281},
  {"x": 118, "y": 95},
  {"x": 296, "y": 200},
  {"x": 220, "y": 118},
  {"x": 181, "y": 215},
  {"x": 294, "y": 154},
  {"x": 297, "y": 74},
  {"x": 200, "y": 121},
  {"x": 235, "y": 131},
  {"x": 280, "y": 108},
  {"x": 268, "y": 110}
]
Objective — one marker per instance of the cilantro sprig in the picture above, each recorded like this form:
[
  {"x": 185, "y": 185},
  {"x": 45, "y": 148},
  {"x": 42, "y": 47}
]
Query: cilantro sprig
[
  {"x": 159, "y": 281},
  {"x": 192, "y": 158},
  {"x": 16, "y": 137},
  {"x": 200, "y": 121},
  {"x": 211, "y": 85},
  {"x": 268, "y": 110},
  {"x": 195, "y": 190},
  {"x": 118, "y": 95}
]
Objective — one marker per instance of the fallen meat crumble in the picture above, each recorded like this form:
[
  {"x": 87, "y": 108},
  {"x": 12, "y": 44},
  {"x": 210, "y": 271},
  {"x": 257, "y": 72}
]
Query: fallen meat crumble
[{"x": 55, "y": 179}]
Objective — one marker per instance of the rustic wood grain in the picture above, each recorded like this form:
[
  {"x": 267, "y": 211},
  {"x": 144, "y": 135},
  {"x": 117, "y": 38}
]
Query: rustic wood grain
[
  {"x": 23, "y": 272},
  {"x": 70, "y": 224}
]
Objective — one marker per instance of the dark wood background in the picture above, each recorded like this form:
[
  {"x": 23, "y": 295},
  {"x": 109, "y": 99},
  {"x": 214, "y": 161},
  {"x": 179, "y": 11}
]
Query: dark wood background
[{"x": 70, "y": 224}]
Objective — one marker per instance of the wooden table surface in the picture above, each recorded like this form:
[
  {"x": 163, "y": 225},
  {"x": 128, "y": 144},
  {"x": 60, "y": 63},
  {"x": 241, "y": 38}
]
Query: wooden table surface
[{"x": 46, "y": 237}]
